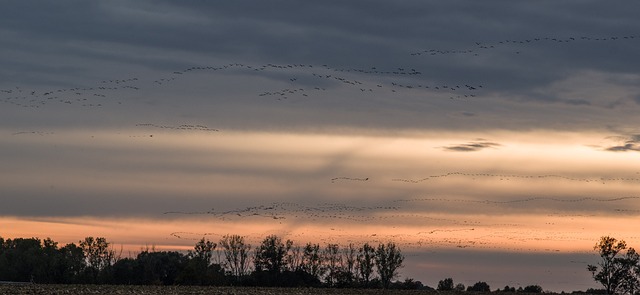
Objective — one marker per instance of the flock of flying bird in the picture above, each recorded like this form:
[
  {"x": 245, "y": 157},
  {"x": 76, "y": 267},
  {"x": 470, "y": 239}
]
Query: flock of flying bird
[
  {"x": 98, "y": 94},
  {"x": 484, "y": 46},
  {"x": 473, "y": 176},
  {"x": 442, "y": 231},
  {"x": 305, "y": 81},
  {"x": 192, "y": 127},
  {"x": 115, "y": 91}
]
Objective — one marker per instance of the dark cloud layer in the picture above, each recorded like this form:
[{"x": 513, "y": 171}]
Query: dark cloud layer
[{"x": 571, "y": 37}]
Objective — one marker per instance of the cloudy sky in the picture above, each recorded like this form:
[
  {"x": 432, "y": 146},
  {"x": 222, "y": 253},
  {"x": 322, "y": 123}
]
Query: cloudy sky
[{"x": 491, "y": 140}]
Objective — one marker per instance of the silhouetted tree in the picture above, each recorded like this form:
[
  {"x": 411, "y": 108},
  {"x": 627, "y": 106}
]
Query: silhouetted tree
[
  {"x": 98, "y": 255},
  {"x": 270, "y": 255},
  {"x": 593, "y": 291},
  {"x": 49, "y": 270},
  {"x": 350, "y": 258},
  {"x": 630, "y": 269},
  {"x": 366, "y": 262},
  {"x": 39, "y": 261},
  {"x": 332, "y": 261},
  {"x": 159, "y": 268},
  {"x": 388, "y": 260},
  {"x": 479, "y": 287},
  {"x": 611, "y": 271},
  {"x": 203, "y": 251},
  {"x": 125, "y": 272},
  {"x": 410, "y": 284},
  {"x": 445, "y": 285},
  {"x": 73, "y": 264},
  {"x": 198, "y": 269},
  {"x": 346, "y": 277},
  {"x": 236, "y": 255},
  {"x": 509, "y": 289},
  {"x": 21, "y": 260},
  {"x": 312, "y": 260},
  {"x": 532, "y": 289},
  {"x": 294, "y": 258},
  {"x": 459, "y": 287}
]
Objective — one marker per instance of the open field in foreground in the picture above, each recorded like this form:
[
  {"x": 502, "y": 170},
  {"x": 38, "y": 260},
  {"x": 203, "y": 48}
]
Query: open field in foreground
[{"x": 180, "y": 290}]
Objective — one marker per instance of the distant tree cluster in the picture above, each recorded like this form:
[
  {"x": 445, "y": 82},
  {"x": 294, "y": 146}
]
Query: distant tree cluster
[
  {"x": 527, "y": 289},
  {"x": 619, "y": 268},
  {"x": 447, "y": 285},
  {"x": 231, "y": 261},
  {"x": 284, "y": 263}
]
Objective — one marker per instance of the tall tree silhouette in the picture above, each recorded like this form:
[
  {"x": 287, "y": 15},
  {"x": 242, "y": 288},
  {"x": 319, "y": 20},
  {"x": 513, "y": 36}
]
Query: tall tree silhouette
[
  {"x": 388, "y": 260},
  {"x": 270, "y": 254},
  {"x": 333, "y": 261},
  {"x": 630, "y": 281},
  {"x": 312, "y": 260},
  {"x": 98, "y": 254},
  {"x": 295, "y": 258},
  {"x": 366, "y": 262},
  {"x": 198, "y": 269},
  {"x": 610, "y": 273},
  {"x": 72, "y": 263},
  {"x": 348, "y": 268},
  {"x": 236, "y": 255}
]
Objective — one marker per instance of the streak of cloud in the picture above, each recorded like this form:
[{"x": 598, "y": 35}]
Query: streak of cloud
[
  {"x": 473, "y": 146},
  {"x": 631, "y": 143}
]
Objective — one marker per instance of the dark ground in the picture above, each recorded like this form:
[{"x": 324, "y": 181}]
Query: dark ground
[
  {"x": 153, "y": 290},
  {"x": 196, "y": 290}
]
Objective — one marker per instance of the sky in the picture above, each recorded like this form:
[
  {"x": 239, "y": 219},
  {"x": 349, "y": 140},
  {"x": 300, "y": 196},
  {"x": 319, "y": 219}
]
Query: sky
[{"x": 492, "y": 141}]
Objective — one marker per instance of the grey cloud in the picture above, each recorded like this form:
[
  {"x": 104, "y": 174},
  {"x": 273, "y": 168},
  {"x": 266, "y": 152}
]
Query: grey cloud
[
  {"x": 577, "y": 102},
  {"x": 471, "y": 146},
  {"x": 624, "y": 148},
  {"x": 89, "y": 42},
  {"x": 336, "y": 32},
  {"x": 631, "y": 143}
]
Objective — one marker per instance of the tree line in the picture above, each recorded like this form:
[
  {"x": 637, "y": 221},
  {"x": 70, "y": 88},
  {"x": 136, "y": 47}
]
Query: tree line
[
  {"x": 274, "y": 262},
  {"x": 448, "y": 285},
  {"x": 230, "y": 261}
]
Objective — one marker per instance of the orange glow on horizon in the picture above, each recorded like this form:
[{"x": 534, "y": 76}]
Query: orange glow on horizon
[{"x": 490, "y": 233}]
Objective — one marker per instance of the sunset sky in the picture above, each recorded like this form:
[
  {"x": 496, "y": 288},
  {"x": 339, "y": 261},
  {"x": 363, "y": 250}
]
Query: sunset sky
[{"x": 492, "y": 140}]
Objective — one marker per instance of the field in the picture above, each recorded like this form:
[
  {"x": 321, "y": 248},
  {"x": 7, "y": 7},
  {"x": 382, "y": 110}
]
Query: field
[{"x": 179, "y": 290}]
